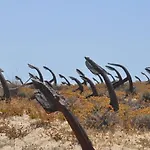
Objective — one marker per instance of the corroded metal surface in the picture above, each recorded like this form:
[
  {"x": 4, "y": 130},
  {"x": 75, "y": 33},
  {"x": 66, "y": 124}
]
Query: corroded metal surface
[
  {"x": 96, "y": 69},
  {"x": 66, "y": 80},
  {"x": 51, "y": 101},
  {"x": 80, "y": 88},
  {"x": 53, "y": 75}
]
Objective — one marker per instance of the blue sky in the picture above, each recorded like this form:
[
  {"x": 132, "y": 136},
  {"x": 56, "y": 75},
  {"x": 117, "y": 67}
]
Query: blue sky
[{"x": 60, "y": 33}]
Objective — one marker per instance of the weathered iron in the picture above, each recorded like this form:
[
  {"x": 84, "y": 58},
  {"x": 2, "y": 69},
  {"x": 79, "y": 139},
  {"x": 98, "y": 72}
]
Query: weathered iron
[
  {"x": 53, "y": 75},
  {"x": 100, "y": 78},
  {"x": 33, "y": 76},
  {"x": 18, "y": 78},
  {"x": 96, "y": 69},
  {"x": 111, "y": 77},
  {"x": 81, "y": 74},
  {"x": 63, "y": 77},
  {"x": 39, "y": 72},
  {"x": 93, "y": 88},
  {"x": 148, "y": 79},
  {"x": 96, "y": 80},
  {"x": 138, "y": 78},
  {"x": 128, "y": 78},
  {"x": 117, "y": 72},
  {"x": 147, "y": 69},
  {"x": 51, "y": 101},
  {"x": 80, "y": 88}
]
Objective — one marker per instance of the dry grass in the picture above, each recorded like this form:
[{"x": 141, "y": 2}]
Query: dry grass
[
  {"x": 33, "y": 134},
  {"x": 23, "y": 120}
]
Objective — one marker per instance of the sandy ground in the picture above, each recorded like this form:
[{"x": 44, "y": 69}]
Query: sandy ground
[{"x": 23, "y": 133}]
